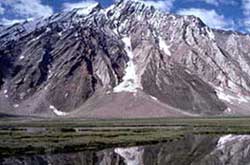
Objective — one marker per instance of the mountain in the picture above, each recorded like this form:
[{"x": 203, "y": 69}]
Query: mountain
[{"x": 126, "y": 61}]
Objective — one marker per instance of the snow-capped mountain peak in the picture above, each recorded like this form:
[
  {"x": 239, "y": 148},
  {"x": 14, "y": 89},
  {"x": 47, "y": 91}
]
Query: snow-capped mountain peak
[{"x": 87, "y": 62}]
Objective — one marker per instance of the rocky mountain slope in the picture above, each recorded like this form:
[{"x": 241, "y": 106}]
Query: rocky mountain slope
[{"x": 128, "y": 60}]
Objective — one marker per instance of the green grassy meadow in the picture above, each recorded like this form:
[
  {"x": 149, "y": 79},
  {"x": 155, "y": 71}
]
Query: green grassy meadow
[{"x": 20, "y": 136}]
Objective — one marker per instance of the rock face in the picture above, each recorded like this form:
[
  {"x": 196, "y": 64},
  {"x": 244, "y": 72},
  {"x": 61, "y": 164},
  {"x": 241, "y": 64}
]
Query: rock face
[
  {"x": 75, "y": 63},
  {"x": 190, "y": 150}
]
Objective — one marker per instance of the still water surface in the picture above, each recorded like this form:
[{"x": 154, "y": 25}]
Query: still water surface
[{"x": 190, "y": 150}]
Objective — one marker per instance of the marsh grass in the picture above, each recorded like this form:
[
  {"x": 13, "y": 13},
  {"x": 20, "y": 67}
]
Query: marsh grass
[{"x": 25, "y": 137}]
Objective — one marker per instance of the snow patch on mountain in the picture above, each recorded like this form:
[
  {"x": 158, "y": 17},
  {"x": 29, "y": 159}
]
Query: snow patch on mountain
[
  {"x": 132, "y": 155},
  {"x": 5, "y": 92},
  {"x": 229, "y": 110},
  {"x": 154, "y": 98},
  {"x": 16, "y": 105},
  {"x": 130, "y": 81},
  {"x": 164, "y": 47},
  {"x": 59, "y": 34},
  {"x": 21, "y": 57},
  {"x": 210, "y": 34},
  {"x": 230, "y": 98},
  {"x": 87, "y": 10},
  {"x": 57, "y": 112}
]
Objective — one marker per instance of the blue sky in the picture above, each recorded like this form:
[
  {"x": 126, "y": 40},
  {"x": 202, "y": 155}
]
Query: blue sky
[{"x": 221, "y": 14}]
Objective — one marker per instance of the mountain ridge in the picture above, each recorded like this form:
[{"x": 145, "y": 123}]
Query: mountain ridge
[{"x": 128, "y": 60}]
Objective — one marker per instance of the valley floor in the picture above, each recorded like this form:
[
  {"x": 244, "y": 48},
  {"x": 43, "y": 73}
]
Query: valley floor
[{"x": 21, "y": 136}]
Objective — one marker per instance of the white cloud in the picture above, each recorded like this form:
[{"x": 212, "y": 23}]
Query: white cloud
[
  {"x": 209, "y": 17},
  {"x": 25, "y": 9},
  {"x": 218, "y": 2},
  {"x": 2, "y": 10},
  {"x": 246, "y": 7},
  {"x": 83, "y": 4},
  {"x": 28, "y": 8},
  {"x": 212, "y": 2},
  {"x": 246, "y": 12},
  {"x": 165, "y": 5},
  {"x": 8, "y": 22}
]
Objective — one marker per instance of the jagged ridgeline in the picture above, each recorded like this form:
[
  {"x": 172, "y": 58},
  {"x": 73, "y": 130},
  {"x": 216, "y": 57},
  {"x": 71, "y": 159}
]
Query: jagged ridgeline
[{"x": 125, "y": 61}]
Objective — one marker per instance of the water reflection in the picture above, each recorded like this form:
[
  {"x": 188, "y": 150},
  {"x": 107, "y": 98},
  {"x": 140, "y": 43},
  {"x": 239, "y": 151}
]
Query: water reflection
[
  {"x": 132, "y": 155},
  {"x": 191, "y": 150}
]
